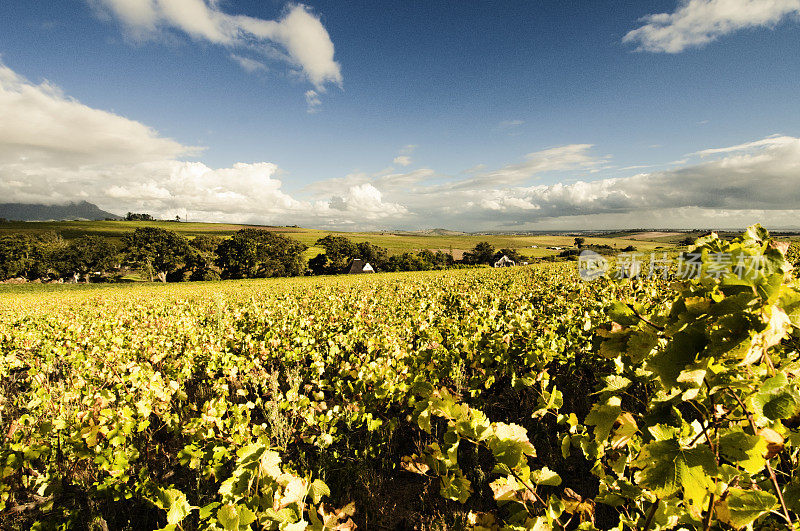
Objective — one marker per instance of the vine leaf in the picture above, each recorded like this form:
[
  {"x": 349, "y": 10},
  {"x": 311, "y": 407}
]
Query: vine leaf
[
  {"x": 668, "y": 364},
  {"x": 546, "y": 476},
  {"x": 666, "y": 468},
  {"x": 317, "y": 489},
  {"x": 603, "y": 417},
  {"x": 175, "y": 503},
  {"x": 745, "y": 450},
  {"x": 228, "y": 516},
  {"x": 777, "y": 399},
  {"x": 510, "y": 444},
  {"x": 741, "y": 507}
]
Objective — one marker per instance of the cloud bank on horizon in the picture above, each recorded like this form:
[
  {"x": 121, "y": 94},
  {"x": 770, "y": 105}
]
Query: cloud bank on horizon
[{"x": 54, "y": 149}]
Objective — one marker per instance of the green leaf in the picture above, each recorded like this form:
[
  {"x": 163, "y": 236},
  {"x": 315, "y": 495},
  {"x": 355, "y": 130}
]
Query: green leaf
[
  {"x": 545, "y": 476},
  {"x": 174, "y": 502},
  {"x": 422, "y": 389},
  {"x": 743, "y": 450},
  {"x": 621, "y": 313},
  {"x": 668, "y": 364},
  {"x": 666, "y": 468},
  {"x": 603, "y": 417},
  {"x": 206, "y": 511},
  {"x": 228, "y": 517},
  {"x": 510, "y": 444},
  {"x": 742, "y": 507},
  {"x": 317, "y": 489},
  {"x": 246, "y": 516},
  {"x": 640, "y": 344},
  {"x": 615, "y": 383},
  {"x": 777, "y": 398},
  {"x": 791, "y": 495},
  {"x": 456, "y": 488}
]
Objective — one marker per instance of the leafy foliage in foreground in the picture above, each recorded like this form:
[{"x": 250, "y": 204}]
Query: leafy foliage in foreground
[{"x": 484, "y": 399}]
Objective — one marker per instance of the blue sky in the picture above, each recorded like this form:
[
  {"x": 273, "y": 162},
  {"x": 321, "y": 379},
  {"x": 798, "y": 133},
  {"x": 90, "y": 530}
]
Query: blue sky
[{"x": 475, "y": 115}]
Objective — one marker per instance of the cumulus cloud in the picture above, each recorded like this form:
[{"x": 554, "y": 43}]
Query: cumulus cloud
[
  {"x": 696, "y": 23},
  {"x": 299, "y": 35},
  {"x": 41, "y": 125},
  {"x": 761, "y": 176},
  {"x": 367, "y": 202},
  {"x": 54, "y": 149},
  {"x": 723, "y": 187}
]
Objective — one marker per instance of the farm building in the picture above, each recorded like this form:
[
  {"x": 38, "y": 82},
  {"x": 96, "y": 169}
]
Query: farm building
[
  {"x": 358, "y": 266},
  {"x": 505, "y": 262}
]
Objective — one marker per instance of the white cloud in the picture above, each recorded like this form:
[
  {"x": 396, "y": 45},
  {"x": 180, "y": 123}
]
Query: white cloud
[
  {"x": 696, "y": 23},
  {"x": 305, "y": 42},
  {"x": 312, "y": 101},
  {"x": 54, "y": 149},
  {"x": 41, "y": 125},
  {"x": 770, "y": 141},
  {"x": 404, "y": 156},
  {"x": 754, "y": 181},
  {"x": 510, "y": 124},
  {"x": 248, "y": 64},
  {"x": 366, "y": 202},
  {"x": 561, "y": 158}
]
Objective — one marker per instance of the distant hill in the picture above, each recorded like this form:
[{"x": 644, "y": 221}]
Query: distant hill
[
  {"x": 430, "y": 232},
  {"x": 33, "y": 212}
]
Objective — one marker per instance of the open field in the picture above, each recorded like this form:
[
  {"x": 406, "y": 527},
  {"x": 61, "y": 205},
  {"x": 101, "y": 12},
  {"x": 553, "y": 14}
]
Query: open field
[{"x": 466, "y": 399}]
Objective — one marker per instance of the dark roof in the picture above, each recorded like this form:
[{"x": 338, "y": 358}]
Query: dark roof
[{"x": 357, "y": 266}]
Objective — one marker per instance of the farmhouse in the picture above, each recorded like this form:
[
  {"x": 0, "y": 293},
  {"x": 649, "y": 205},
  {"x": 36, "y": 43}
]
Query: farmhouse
[
  {"x": 358, "y": 266},
  {"x": 505, "y": 262}
]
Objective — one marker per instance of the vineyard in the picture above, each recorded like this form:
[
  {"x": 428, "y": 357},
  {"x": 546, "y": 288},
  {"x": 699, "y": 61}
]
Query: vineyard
[{"x": 521, "y": 398}]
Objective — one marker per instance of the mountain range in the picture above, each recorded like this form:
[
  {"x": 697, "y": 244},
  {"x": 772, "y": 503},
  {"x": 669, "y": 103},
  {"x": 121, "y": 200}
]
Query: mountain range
[{"x": 71, "y": 211}]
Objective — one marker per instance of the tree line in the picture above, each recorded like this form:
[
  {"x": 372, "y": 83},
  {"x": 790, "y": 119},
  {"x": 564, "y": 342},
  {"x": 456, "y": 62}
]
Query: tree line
[{"x": 165, "y": 255}]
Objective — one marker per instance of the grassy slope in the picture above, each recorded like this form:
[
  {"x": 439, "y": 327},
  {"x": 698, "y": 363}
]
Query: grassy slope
[{"x": 396, "y": 242}]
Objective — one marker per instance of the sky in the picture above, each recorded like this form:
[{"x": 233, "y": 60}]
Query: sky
[{"x": 362, "y": 115}]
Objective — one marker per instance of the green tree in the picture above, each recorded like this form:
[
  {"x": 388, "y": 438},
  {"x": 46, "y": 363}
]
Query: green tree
[
  {"x": 132, "y": 216},
  {"x": 319, "y": 264},
  {"x": 46, "y": 248},
  {"x": 158, "y": 252},
  {"x": 202, "y": 258},
  {"x": 483, "y": 253},
  {"x": 338, "y": 253},
  {"x": 29, "y": 256},
  {"x": 373, "y": 254},
  {"x": 255, "y": 253},
  {"x": 408, "y": 262},
  {"x": 15, "y": 256},
  {"x": 579, "y": 241},
  {"x": 87, "y": 254}
]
